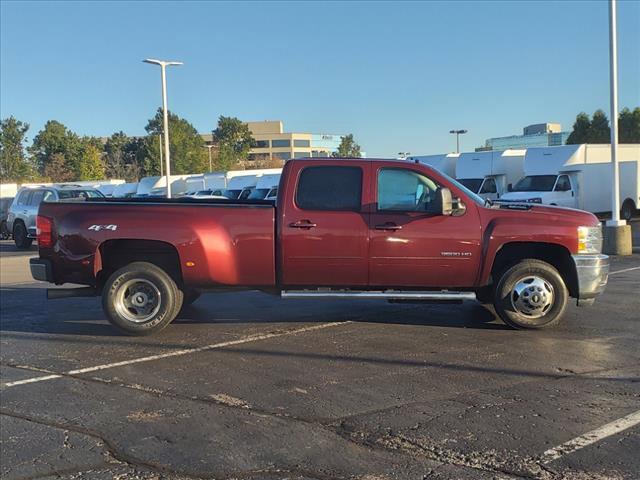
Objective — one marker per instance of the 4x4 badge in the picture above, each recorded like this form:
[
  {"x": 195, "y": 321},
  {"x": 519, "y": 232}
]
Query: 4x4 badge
[{"x": 97, "y": 228}]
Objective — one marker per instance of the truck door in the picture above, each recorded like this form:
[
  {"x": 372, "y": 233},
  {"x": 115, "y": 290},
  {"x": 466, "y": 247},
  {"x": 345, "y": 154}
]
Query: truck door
[
  {"x": 563, "y": 194},
  {"x": 410, "y": 247},
  {"x": 325, "y": 225}
]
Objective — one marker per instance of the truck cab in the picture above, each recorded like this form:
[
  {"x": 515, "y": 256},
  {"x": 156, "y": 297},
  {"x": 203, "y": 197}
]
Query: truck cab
[{"x": 547, "y": 189}]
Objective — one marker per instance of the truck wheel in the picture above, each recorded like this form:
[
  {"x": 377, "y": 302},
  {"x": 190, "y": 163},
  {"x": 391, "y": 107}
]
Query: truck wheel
[
  {"x": 20, "y": 237},
  {"x": 141, "y": 299},
  {"x": 531, "y": 294},
  {"x": 628, "y": 209}
]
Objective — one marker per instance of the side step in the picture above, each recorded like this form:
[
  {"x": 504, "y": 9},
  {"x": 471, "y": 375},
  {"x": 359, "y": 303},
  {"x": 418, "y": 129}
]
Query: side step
[
  {"x": 55, "y": 293},
  {"x": 441, "y": 295}
]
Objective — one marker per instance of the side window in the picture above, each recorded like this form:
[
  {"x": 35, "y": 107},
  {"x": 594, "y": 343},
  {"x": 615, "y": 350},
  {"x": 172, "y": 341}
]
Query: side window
[
  {"x": 49, "y": 196},
  {"x": 489, "y": 186},
  {"x": 25, "y": 196},
  {"x": 330, "y": 188},
  {"x": 404, "y": 190},
  {"x": 563, "y": 185},
  {"x": 36, "y": 198}
]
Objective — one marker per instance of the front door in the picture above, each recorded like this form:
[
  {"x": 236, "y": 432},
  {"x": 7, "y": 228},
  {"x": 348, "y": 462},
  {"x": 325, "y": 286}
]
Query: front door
[
  {"x": 412, "y": 247},
  {"x": 325, "y": 227},
  {"x": 563, "y": 194}
]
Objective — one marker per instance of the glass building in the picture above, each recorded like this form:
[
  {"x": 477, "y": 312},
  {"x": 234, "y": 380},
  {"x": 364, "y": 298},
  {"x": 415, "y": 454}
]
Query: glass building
[{"x": 526, "y": 141}]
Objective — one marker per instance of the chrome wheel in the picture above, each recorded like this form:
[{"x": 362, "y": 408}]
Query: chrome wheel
[
  {"x": 138, "y": 300},
  {"x": 532, "y": 296}
]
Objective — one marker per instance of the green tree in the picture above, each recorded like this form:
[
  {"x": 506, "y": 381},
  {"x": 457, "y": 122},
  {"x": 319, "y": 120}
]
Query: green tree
[
  {"x": 91, "y": 166},
  {"x": 186, "y": 146},
  {"x": 234, "y": 141},
  {"x": 580, "y": 133},
  {"x": 13, "y": 160},
  {"x": 54, "y": 139},
  {"x": 124, "y": 157},
  {"x": 629, "y": 126},
  {"x": 348, "y": 148},
  {"x": 599, "y": 131}
]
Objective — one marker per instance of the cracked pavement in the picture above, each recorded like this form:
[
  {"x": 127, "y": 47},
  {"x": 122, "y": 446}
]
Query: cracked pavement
[{"x": 389, "y": 392}]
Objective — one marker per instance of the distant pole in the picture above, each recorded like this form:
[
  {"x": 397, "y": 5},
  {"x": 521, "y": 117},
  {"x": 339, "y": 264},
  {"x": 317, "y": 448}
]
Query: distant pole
[
  {"x": 209, "y": 147},
  {"x": 613, "y": 63},
  {"x": 458, "y": 133},
  {"x": 165, "y": 113},
  {"x": 160, "y": 145}
]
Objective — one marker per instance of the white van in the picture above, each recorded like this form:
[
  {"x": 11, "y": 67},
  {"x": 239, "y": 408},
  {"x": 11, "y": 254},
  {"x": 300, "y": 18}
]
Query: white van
[
  {"x": 266, "y": 188},
  {"x": 579, "y": 176},
  {"x": 445, "y": 163},
  {"x": 156, "y": 186},
  {"x": 490, "y": 173},
  {"x": 125, "y": 190}
]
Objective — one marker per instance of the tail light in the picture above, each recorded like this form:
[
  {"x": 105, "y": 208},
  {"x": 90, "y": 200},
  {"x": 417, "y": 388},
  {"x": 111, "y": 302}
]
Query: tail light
[{"x": 43, "y": 230}]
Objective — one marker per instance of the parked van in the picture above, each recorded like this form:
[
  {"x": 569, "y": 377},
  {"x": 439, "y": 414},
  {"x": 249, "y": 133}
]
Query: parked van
[
  {"x": 446, "y": 163},
  {"x": 579, "y": 176},
  {"x": 490, "y": 173},
  {"x": 156, "y": 186},
  {"x": 125, "y": 190},
  {"x": 240, "y": 187},
  {"x": 267, "y": 187}
]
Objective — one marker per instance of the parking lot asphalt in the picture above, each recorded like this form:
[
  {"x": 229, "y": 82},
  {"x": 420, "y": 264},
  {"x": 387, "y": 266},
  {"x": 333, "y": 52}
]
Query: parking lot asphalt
[{"x": 247, "y": 385}]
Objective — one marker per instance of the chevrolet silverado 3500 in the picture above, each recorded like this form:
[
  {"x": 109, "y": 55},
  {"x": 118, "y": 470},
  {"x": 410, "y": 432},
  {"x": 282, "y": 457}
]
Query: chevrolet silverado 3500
[{"x": 352, "y": 228}]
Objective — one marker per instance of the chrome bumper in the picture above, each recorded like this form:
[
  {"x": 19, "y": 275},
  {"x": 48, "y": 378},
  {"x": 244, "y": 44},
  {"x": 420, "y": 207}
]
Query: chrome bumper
[{"x": 593, "y": 273}]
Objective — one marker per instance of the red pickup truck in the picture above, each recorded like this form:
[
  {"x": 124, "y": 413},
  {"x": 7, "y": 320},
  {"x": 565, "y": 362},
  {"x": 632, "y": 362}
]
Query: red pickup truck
[{"x": 354, "y": 228}]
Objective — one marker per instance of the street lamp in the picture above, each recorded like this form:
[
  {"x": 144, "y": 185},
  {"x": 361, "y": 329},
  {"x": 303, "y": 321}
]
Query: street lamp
[
  {"x": 163, "y": 65},
  {"x": 209, "y": 147},
  {"x": 458, "y": 133}
]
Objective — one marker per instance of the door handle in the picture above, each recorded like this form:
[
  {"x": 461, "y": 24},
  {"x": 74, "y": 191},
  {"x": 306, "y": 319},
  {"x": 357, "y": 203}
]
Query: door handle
[
  {"x": 389, "y": 226},
  {"x": 303, "y": 224}
]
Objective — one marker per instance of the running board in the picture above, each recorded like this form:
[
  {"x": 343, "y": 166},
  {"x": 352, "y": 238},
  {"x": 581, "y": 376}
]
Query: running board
[
  {"x": 56, "y": 293},
  {"x": 442, "y": 295}
]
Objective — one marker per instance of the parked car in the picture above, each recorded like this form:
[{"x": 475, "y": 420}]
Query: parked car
[
  {"x": 344, "y": 228},
  {"x": 21, "y": 220}
]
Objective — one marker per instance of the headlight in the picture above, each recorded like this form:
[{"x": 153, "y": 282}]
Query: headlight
[
  {"x": 535, "y": 200},
  {"x": 589, "y": 239}
]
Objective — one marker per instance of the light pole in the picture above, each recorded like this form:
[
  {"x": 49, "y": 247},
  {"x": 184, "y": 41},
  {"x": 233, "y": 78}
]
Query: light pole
[
  {"x": 458, "y": 133},
  {"x": 167, "y": 158},
  {"x": 209, "y": 147},
  {"x": 160, "y": 147}
]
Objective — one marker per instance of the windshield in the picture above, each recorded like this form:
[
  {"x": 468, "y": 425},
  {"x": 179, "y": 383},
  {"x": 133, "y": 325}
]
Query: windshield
[
  {"x": 472, "y": 195},
  {"x": 80, "y": 194},
  {"x": 204, "y": 192},
  {"x": 258, "y": 194},
  {"x": 233, "y": 193},
  {"x": 472, "y": 184},
  {"x": 535, "y": 183}
]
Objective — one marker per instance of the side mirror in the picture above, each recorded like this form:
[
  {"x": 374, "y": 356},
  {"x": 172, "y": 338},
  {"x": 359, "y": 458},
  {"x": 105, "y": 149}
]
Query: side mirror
[
  {"x": 442, "y": 203},
  {"x": 510, "y": 188}
]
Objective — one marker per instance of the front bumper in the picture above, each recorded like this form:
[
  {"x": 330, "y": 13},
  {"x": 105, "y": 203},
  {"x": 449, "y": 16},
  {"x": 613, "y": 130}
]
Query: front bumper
[
  {"x": 41, "y": 269},
  {"x": 593, "y": 273}
]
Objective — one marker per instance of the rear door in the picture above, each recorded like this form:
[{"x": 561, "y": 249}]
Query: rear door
[
  {"x": 34, "y": 204},
  {"x": 410, "y": 247},
  {"x": 325, "y": 224}
]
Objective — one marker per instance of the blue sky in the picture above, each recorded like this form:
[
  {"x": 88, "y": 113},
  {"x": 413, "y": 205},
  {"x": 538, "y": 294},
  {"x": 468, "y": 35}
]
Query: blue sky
[{"x": 399, "y": 75}]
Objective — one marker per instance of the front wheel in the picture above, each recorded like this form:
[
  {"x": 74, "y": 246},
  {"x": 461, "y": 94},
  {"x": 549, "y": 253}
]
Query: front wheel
[
  {"x": 141, "y": 299},
  {"x": 628, "y": 209},
  {"x": 531, "y": 294}
]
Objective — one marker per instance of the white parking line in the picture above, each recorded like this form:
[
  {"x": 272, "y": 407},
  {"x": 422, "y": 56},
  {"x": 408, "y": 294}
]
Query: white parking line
[
  {"x": 591, "y": 437},
  {"x": 176, "y": 353},
  {"x": 624, "y": 270}
]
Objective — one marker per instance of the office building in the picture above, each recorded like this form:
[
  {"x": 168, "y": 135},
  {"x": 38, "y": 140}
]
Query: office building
[{"x": 537, "y": 135}]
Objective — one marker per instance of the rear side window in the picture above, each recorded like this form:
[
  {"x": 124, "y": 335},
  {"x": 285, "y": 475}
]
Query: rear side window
[
  {"x": 330, "y": 188},
  {"x": 36, "y": 198},
  {"x": 563, "y": 184},
  {"x": 23, "y": 199}
]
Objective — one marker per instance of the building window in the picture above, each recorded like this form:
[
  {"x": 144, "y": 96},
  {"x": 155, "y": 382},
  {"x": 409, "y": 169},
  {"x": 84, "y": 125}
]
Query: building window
[
  {"x": 330, "y": 188},
  {"x": 319, "y": 153},
  {"x": 301, "y": 154},
  {"x": 302, "y": 143},
  {"x": 280, "y": 143},
  {"x": 282, "y": 155},
  {"x": 261, "y": 144}
]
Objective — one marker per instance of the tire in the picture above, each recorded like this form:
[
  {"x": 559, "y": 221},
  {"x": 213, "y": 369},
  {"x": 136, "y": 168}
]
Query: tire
[
  {"x": 190, "y": 296},
  {"x": 157, "y": 305},
  {"x": 627, "y": 210},
  {"x": 531, "y": 295},
  {"x": 20, "y": 237}
]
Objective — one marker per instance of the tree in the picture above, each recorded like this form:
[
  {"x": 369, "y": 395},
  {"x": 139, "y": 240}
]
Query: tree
[
  {"x": 186, "y": 146},
  {"x": 91, "y": 166},
  {"x": 57, "y": 170},
  {"x": 54, "y": 139},
  {"x": 580, "y": 133},
  {"x": 348, "y": 148},
  {"x": 599, "y": 131},
  {"x": 629, "y": 125},
  {"x": 124, "y": 157},
  {"x": 234, "y": 141},
  {"x": 13, "y": 160}
]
